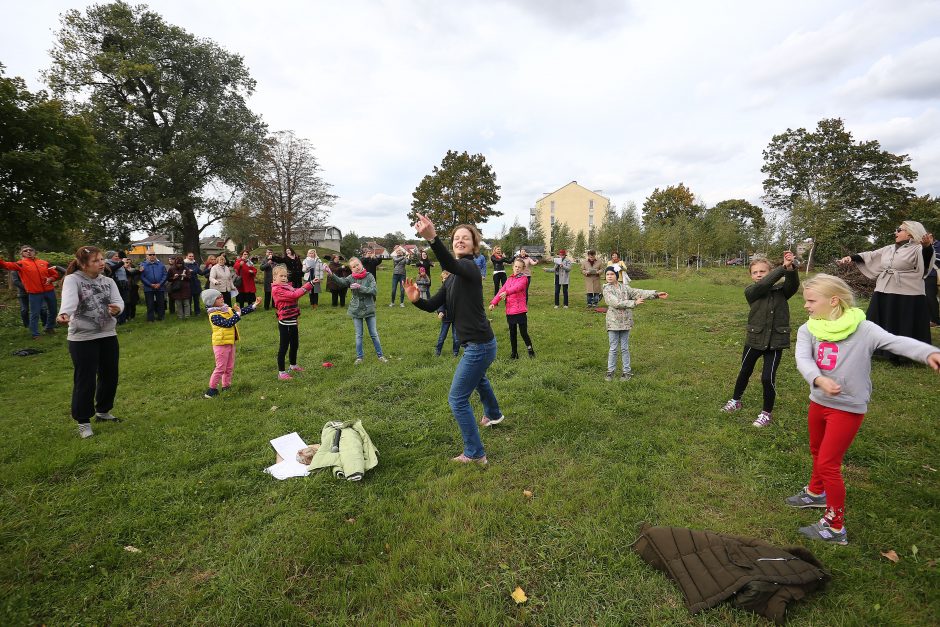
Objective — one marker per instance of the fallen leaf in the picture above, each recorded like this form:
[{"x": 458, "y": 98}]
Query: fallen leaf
[
  {"x": 131, "y": 549},
  {"x": 273, "y": 407},
  {"x": 262, "y": 398},
  {"x": 926, "y": 467},
  {"x": 518, "y": 595},
  {"x": 914, "y": 550},
  {"x": 350, "y": 520},
  {"x": 877, "y": 606},
  {"x": 931, "y": 563},
  {"x": 388, "y": 549},
  {"x": 527, "y": 493},
  {"x": 892, "y": 555},
  {"x": 504, "y": 566}
]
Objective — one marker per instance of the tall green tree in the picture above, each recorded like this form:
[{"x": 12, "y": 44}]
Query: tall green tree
[
  {"x": 666, "y": 206},
  {"x": 561, "y": 237},
  {"x": 516, "y": 237},
  {"x": 349, "y": 246},
  {"x": 536, "y": 231},
  {"x": 51, "y": 174},
  {"x": 580, "y": 245},
  {"x": 858, "y": 188},
  {"x": 462, "y": 190},
  {"x": 169, "y": 109}
]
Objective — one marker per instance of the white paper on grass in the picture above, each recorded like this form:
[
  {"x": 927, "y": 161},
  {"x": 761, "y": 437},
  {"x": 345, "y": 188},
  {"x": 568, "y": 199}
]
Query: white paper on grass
[{"x": 286, "y": 447}]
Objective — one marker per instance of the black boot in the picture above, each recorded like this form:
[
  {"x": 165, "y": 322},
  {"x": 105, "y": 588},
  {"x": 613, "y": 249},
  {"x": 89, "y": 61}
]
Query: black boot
[
  {"x": 514, "y": 356},
  {"x": 531, "y": 352}
]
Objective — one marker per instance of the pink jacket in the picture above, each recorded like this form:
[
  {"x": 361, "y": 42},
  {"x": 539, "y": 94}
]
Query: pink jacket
[
  {"x": 285, "y": 299},
  {"x": 514, "y": 291}
]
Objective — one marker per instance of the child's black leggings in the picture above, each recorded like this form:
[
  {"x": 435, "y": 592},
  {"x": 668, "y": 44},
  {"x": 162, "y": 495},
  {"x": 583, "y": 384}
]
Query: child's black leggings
[
  {"x": 521, "y": 322},
  {"x": 768, "y": 376},
  {"x": 290, "y": 339}
]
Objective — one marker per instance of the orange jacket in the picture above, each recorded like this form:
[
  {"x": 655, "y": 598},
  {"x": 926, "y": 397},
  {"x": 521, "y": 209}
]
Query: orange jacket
[{"x": 33, "y": 274}]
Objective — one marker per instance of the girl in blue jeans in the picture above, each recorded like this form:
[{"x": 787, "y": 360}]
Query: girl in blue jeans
[
  {"x": 361, "y": 306},
  {"x": 463, "y": 296}
]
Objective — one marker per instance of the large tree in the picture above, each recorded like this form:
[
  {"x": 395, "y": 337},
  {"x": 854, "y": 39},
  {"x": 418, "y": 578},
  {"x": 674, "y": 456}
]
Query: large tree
[
  {"x": 669, "y": 205},
  {"x": 50, "y": 167},
  {"x": 169, "y": 109},
  {"x": 462, "y": 190},
  {"x": 288, "y": 194},
  {"x": 856, "y": 188}
]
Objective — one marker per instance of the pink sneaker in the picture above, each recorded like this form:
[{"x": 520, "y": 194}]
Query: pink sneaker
[
  {"x": 463, "y": 459},
  {"x": 296, "y": 368},
  {"x": 487, "y": 422},
  {"x": 283, "y": 376}
]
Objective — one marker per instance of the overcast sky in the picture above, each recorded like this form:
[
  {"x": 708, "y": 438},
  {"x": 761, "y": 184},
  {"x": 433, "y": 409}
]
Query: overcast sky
[{"x": 621, "y": 96}]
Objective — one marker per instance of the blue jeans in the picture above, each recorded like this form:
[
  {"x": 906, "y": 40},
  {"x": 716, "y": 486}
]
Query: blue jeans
[
  {"x": 469, "y": 376},
  {"x": 36, "y": 301},
  {"x": 373, "y": 333},
  {"x": 398, "y": 279},
  {"x": 443, "y": 336},
  {"x": 621, "y": 338}
]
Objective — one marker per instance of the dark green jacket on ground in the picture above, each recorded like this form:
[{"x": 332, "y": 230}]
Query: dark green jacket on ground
[
  {"x": 711, "y": 568},
  {"x": 768, "y": 323}
]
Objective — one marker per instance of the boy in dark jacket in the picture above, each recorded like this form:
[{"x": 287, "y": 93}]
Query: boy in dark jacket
[{"x": 768, "y": 330}]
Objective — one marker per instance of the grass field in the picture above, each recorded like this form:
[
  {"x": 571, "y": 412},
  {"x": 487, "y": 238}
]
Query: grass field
[{"x": 422, "y": 540}]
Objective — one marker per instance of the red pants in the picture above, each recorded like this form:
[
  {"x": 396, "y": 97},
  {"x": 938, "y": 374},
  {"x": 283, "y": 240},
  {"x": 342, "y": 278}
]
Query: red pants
[{"x": 831, "y": 432}]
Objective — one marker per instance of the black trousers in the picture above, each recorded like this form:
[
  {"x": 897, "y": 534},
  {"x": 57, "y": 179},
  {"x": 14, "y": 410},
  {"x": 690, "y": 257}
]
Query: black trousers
[
  {"x": 267, "y": 299},
  {"x": 339, "y": 296},
  {"x": 499, "y": 279},
  {"x": 227, "y": 297},
  {"x": 245, "y": 298},
  {"x": 518, "y": 322},
  {"x": 156, "y": 304},
  {"x": 930, "y": 288},
  {"x": 95, "y": 379},
  {"x": 768, "y": 375},
  {"x": 314, "y": 298},
  {"x": 560, "y": 287},
  {"x": 290, "y": 341}
]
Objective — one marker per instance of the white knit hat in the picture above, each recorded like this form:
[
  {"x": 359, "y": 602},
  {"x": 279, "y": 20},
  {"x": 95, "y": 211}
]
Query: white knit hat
[{"x": 209, "y": 297}]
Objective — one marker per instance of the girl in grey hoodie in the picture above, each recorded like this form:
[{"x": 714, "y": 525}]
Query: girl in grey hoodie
[{"x": 833, "y": 353}]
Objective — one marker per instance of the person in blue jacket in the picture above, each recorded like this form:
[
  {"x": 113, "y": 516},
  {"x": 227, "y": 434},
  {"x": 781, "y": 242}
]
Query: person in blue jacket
[{"x": 153, "y": 277}]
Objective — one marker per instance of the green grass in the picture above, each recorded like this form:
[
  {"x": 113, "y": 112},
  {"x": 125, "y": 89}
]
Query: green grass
[{"x": 421, "y": 540}]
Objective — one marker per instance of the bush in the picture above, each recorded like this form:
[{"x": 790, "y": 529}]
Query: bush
[{"x": 860, "y": 284}]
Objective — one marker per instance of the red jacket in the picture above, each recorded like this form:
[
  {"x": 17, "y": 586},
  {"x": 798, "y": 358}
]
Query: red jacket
[
  {"x": 247, "y": 273},
  {"x": 285, "y": 299},
  {"x": 33, "y": 274}
]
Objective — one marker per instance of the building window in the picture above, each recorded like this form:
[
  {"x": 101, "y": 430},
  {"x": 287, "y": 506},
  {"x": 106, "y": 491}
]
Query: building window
[
  {"x": 590, "y": 222},
  {"x": 591, "y": 206},
  {"x": 553, "y": 206},
  {"x": 552, "y": 223}
]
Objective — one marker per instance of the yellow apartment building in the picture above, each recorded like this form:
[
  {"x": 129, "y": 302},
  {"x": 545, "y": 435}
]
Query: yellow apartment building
[{"x": 574, "y": 205}]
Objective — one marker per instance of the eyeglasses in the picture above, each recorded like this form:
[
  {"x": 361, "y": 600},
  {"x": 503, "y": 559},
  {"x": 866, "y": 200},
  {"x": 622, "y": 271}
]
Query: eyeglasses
[
  {"x": 27, "y": 250},
  {"x": 899, "y": 229}
]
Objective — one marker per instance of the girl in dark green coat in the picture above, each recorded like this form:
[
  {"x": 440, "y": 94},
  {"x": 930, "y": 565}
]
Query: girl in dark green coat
[{"x": 768, "y": 330}]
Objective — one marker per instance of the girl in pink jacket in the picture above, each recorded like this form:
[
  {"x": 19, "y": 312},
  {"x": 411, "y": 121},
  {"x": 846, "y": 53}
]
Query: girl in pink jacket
[{"x": 514, "y": 289}]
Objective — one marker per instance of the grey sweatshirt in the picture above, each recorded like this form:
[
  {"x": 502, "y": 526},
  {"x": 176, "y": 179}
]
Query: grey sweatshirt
[
  {"x": 848, "y": 362},
  {"x": 86, "y": 301}
]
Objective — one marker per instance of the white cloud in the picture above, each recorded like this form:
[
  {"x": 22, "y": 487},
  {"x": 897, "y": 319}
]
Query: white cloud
[{"x": 910, "y": 73}]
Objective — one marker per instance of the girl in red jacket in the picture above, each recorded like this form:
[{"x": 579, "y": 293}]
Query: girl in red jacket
[
  {"x": 514, "y": 289},
  {"x": 288, "y": 311}
]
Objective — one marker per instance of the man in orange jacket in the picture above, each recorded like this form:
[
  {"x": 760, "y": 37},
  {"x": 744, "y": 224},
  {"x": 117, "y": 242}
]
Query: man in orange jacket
[{"x": 37, "y": 277}]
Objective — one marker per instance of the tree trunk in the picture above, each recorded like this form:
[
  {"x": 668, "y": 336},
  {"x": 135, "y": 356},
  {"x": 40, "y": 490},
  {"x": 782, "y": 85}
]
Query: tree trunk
[
  {"x": 809, "y": 258},
  {"x": 190, "y": 228}
]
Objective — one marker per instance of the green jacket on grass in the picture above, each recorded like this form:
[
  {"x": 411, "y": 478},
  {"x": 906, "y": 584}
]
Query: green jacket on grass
[{"x": 356, "y": 453}]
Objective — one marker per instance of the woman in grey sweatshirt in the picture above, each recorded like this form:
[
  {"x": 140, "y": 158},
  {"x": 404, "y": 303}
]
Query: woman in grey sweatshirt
[{"x": 91, "y": 303}]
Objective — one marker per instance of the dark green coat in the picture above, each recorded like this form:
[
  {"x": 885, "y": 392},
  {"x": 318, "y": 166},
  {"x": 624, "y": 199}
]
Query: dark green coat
[{"x": 768, "y": 323}]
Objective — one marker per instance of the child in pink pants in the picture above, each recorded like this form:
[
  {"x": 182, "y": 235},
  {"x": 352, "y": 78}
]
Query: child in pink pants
[{"x": 223, "y": 320}]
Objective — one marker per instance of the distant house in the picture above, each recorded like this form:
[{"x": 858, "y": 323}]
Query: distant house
[
  {"x": 328, "y": 237},
  {"x": 159, "y": 243},
  {"x": 377, "y": 249},
  {"x": 411, "y": 249},
  {"x": 536, "y": 252},
  {"x": 214, "y": 245}
]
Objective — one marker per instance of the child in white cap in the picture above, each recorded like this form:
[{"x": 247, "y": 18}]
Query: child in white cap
[{"x": 222, "y": 321}]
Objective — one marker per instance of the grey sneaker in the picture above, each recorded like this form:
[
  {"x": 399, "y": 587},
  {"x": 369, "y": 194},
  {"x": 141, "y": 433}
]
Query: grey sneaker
[
  {"x": 106, "y": 417},
  {"x": 401, "y": 305},
  {"x": 823, "y": 532},
  {"x": 805, "y": 500},
  {"x": 626, "y": 376},
  {"x": 383, "y": 359},
  {"x": 731, "y": 406},
  {"x": 84, "y": 430},
  {"x": 609, "y": 376},
  {"x": 358, "y": 361}
]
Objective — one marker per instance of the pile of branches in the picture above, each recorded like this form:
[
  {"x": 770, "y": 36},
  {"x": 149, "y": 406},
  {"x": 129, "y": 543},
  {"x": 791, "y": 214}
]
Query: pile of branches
[
  {"x": 860, "y": 284},
  {"x": 637, "y": 272}
]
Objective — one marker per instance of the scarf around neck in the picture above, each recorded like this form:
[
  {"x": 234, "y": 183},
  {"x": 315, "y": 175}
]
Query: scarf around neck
[
  {"x": 835, "y": 330},
  {"x": 361, "y": 275}
]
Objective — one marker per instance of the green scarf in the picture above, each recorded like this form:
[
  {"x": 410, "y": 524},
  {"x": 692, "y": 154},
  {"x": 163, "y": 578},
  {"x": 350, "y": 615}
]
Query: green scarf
[{"x": 835, "y": 330}]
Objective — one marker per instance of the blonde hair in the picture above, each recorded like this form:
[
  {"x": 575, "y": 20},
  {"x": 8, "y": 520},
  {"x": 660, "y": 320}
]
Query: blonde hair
[
  {"x": 278, "y": 270},
  {"x": 757, "y": 260},
  {"x": 828, "y": 286}
]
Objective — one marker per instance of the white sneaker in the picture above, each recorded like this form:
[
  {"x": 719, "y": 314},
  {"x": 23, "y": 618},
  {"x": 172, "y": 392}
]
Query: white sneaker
[
  {"x": 402, "y": 305},
  {"x": 358, "y": 361},
  {"x": 391, "y": 304},
  {"x": 84, "y": 430},
  {"x": 383, "y": 359},
  {"x": 763, "y": 419},
  {"x": 556, "y": 306}
]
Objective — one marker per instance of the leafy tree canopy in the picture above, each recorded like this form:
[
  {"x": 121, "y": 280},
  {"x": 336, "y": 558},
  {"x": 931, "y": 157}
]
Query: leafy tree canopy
[
  {"x": 462, "y": 190},
  {"x": 666, "y": 206},
  {"x": 167, "y": 107},
  {"x": 51, "y": 173}
]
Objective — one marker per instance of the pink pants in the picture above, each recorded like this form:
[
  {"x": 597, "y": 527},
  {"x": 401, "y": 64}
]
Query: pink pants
[
  {"x": 831, "y": 431},
  {"x": 224, "y": 365}
]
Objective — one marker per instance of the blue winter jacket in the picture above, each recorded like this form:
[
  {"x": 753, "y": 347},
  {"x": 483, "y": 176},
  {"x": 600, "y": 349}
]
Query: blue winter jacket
[{"x": 153, "y": 272}]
